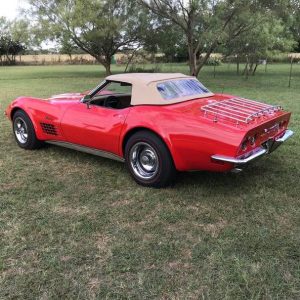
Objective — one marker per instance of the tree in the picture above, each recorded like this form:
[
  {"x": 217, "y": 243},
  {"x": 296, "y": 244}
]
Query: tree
[
  {"x": 205, "y": 23},
  {"x": 295, "y": 26},
  {"x": 10, "y": 45},
  {"x": 161, "y": 36},
  {"x": 266, "y": 36},
  {"x": 289, "y": 12},
  {"x": 4, "y": 26},
  {"x": 21, "y": 31},
  {"x": 67, "y": 46},
  {"x": 98, "y": 27}
]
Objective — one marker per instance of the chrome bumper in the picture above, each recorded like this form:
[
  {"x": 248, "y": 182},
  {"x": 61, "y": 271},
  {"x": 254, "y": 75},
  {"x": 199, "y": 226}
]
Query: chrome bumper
[
  {"x": 267, "y": 147},
  {"x": 288, "y": 133}
]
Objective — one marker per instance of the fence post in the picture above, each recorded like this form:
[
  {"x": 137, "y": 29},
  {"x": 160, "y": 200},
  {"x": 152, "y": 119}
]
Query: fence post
[
  {"x": 266, "y": 65},
  {"x": 291, "y": 72}
]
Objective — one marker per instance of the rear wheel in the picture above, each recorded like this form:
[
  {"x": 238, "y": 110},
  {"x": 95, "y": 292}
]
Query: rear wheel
[
  {"x": 24, "y": 131},
  {"x": 148, "y": 160}
]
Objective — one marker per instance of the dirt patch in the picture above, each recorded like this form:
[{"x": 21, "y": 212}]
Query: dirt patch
[
  {"x": 121, "y": 203},
  {"x": 103, "y": 245},
  {"x": 67, "y": 210},
  {"x": 214, "y": 229}
]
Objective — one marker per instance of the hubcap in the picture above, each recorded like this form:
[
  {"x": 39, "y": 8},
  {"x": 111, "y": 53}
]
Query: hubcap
[
  {"x": 21, "y": 130},
  {"x": 144, "y": 160}
]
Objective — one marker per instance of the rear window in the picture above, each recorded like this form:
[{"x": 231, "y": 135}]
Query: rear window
[{"x": 181, "y": 88}]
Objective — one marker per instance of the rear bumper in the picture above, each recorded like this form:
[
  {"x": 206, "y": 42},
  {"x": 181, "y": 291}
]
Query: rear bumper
[{"x": 267, "y": 148}]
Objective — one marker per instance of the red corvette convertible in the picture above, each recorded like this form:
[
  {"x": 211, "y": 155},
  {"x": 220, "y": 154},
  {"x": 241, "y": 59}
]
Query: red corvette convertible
[{"x": 157, "y": 123}]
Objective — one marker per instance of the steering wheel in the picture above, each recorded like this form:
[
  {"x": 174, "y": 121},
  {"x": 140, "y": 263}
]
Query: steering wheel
[{"x": 111, "y": 101}]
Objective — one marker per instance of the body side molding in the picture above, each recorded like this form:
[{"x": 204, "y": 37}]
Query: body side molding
[{"x": 87, "y": 150}]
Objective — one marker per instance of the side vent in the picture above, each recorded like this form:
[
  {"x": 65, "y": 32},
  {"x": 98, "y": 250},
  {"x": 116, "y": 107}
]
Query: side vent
[{"x": 49, "y": 129}]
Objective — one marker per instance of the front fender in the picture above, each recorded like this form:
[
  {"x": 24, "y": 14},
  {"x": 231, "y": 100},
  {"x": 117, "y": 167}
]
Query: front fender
[
  {"x": 39, "y": 111},
  {"x": 21, "y": 103}
]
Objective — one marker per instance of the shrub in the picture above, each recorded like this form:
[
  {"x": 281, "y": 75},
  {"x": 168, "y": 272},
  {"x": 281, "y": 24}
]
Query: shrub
[
  {"x": 140, "y": 69},
  {"x": 213, "y": 61}
]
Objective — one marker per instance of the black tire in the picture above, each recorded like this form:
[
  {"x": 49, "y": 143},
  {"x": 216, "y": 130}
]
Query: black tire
[
  {"x": 27, "y": 138},
  {"x": 146, "y": 149}
]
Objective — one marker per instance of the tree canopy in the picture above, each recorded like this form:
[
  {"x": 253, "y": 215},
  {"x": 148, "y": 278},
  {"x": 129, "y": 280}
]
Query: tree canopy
[
  {"x": 100, "y": 28},
  {"x": 181, "y": 29},
  {"x": 207, "y": 25},
  {"x": 11, "y": 44}
]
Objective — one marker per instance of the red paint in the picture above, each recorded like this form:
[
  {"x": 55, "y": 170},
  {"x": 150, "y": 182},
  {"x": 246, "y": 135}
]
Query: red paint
[{"x": 191, "y": 137}]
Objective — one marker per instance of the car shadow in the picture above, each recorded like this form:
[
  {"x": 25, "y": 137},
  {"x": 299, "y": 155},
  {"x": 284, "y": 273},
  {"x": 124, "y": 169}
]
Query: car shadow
[{"x": 263, "y": 173}]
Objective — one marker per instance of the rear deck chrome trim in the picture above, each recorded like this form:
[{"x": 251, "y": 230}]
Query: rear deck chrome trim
[{"x": 87, "y": 150}]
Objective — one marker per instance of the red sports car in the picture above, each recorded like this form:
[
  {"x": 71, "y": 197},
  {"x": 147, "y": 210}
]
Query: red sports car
[{"x": 157, "y": 123}]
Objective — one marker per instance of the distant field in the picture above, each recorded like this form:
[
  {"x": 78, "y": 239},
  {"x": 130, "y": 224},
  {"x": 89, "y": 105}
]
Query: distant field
[
  {"x": 75, "y": 226},
  {"x": 54, "y": 58}
]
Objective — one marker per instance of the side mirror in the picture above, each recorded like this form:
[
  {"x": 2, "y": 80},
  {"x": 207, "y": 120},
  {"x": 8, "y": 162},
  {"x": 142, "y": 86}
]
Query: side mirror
[{"x": 86, "y": 98}]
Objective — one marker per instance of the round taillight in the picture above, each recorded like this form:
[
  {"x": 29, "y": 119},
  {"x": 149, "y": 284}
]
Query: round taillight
[
  {"x": 252, "y": 140},
  {"x": 282, "y": 124},
  {"x": 244, "y": 145}
]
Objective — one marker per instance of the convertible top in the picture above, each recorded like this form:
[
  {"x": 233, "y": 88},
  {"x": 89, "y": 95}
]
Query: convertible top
[
  {"x": 145, "y": 87},
  {"x": 145, "y": 78}
]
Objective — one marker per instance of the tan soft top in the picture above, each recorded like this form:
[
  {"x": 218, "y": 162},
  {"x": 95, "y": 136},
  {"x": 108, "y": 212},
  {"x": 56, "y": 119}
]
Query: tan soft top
[{"x": 144, "y": 87}]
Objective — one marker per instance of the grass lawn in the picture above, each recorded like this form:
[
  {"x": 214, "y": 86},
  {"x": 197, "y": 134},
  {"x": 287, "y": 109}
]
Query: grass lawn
[{"x": 77, "y": 226}]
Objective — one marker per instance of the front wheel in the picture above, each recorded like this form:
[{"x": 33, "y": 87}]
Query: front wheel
[
  {"x": 24, "y": 131},
  {"x": 149, "y": 160}
]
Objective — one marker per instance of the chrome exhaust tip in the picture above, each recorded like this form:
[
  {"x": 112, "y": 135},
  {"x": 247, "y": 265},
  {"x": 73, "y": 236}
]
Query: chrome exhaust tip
[{"x": 236, "y": 170}]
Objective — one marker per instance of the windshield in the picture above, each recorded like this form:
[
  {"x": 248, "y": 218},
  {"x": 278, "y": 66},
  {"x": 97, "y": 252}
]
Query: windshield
[
  {"x": 116, "y": 88},
  {"x": 173, "y": 89}
]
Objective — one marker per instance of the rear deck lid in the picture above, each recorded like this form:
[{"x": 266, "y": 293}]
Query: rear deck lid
[{"x": 239, "y": 111}]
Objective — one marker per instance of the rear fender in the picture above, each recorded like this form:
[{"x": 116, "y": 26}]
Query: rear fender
[
  {"x": 190, "y": 142},
  {"x": 130, "y": 130}
]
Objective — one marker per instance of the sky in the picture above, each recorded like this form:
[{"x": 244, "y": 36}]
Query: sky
[{"x": 9, "y": 8}]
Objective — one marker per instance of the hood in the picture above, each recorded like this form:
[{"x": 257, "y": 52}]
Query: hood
[{"x": 67, "y": 96}]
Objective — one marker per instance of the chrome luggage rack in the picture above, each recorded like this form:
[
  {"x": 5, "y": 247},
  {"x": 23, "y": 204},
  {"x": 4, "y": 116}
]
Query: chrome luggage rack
[{"x": 238, "y": 110}]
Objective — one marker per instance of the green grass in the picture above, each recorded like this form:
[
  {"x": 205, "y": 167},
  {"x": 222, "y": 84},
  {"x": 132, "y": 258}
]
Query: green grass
[{"x": 76, "y": 226}]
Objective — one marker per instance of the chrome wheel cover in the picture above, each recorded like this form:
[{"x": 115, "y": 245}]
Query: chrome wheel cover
[
  {"x": 144, "y": 160},
  {"x": 21, "y": 130}
]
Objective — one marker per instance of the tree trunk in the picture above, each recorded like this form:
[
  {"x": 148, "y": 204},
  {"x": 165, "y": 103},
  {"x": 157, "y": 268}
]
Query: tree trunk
[
  {"x": 251, "y": 68},
  {"x": 197, "y": 64},
  {"x": 192, "y": 59},
  {"x": 130, "y": 59},
  {"x": 238, "y": 65},
  {"x": 8, "y": 59},
  {"x": 106, "y": 63},
  {"x": 107, "y": 68},
  {"x": 255, "y": 68},
  {"x": 204, "y": 59},
  {"x": 247, "y": 69}
]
